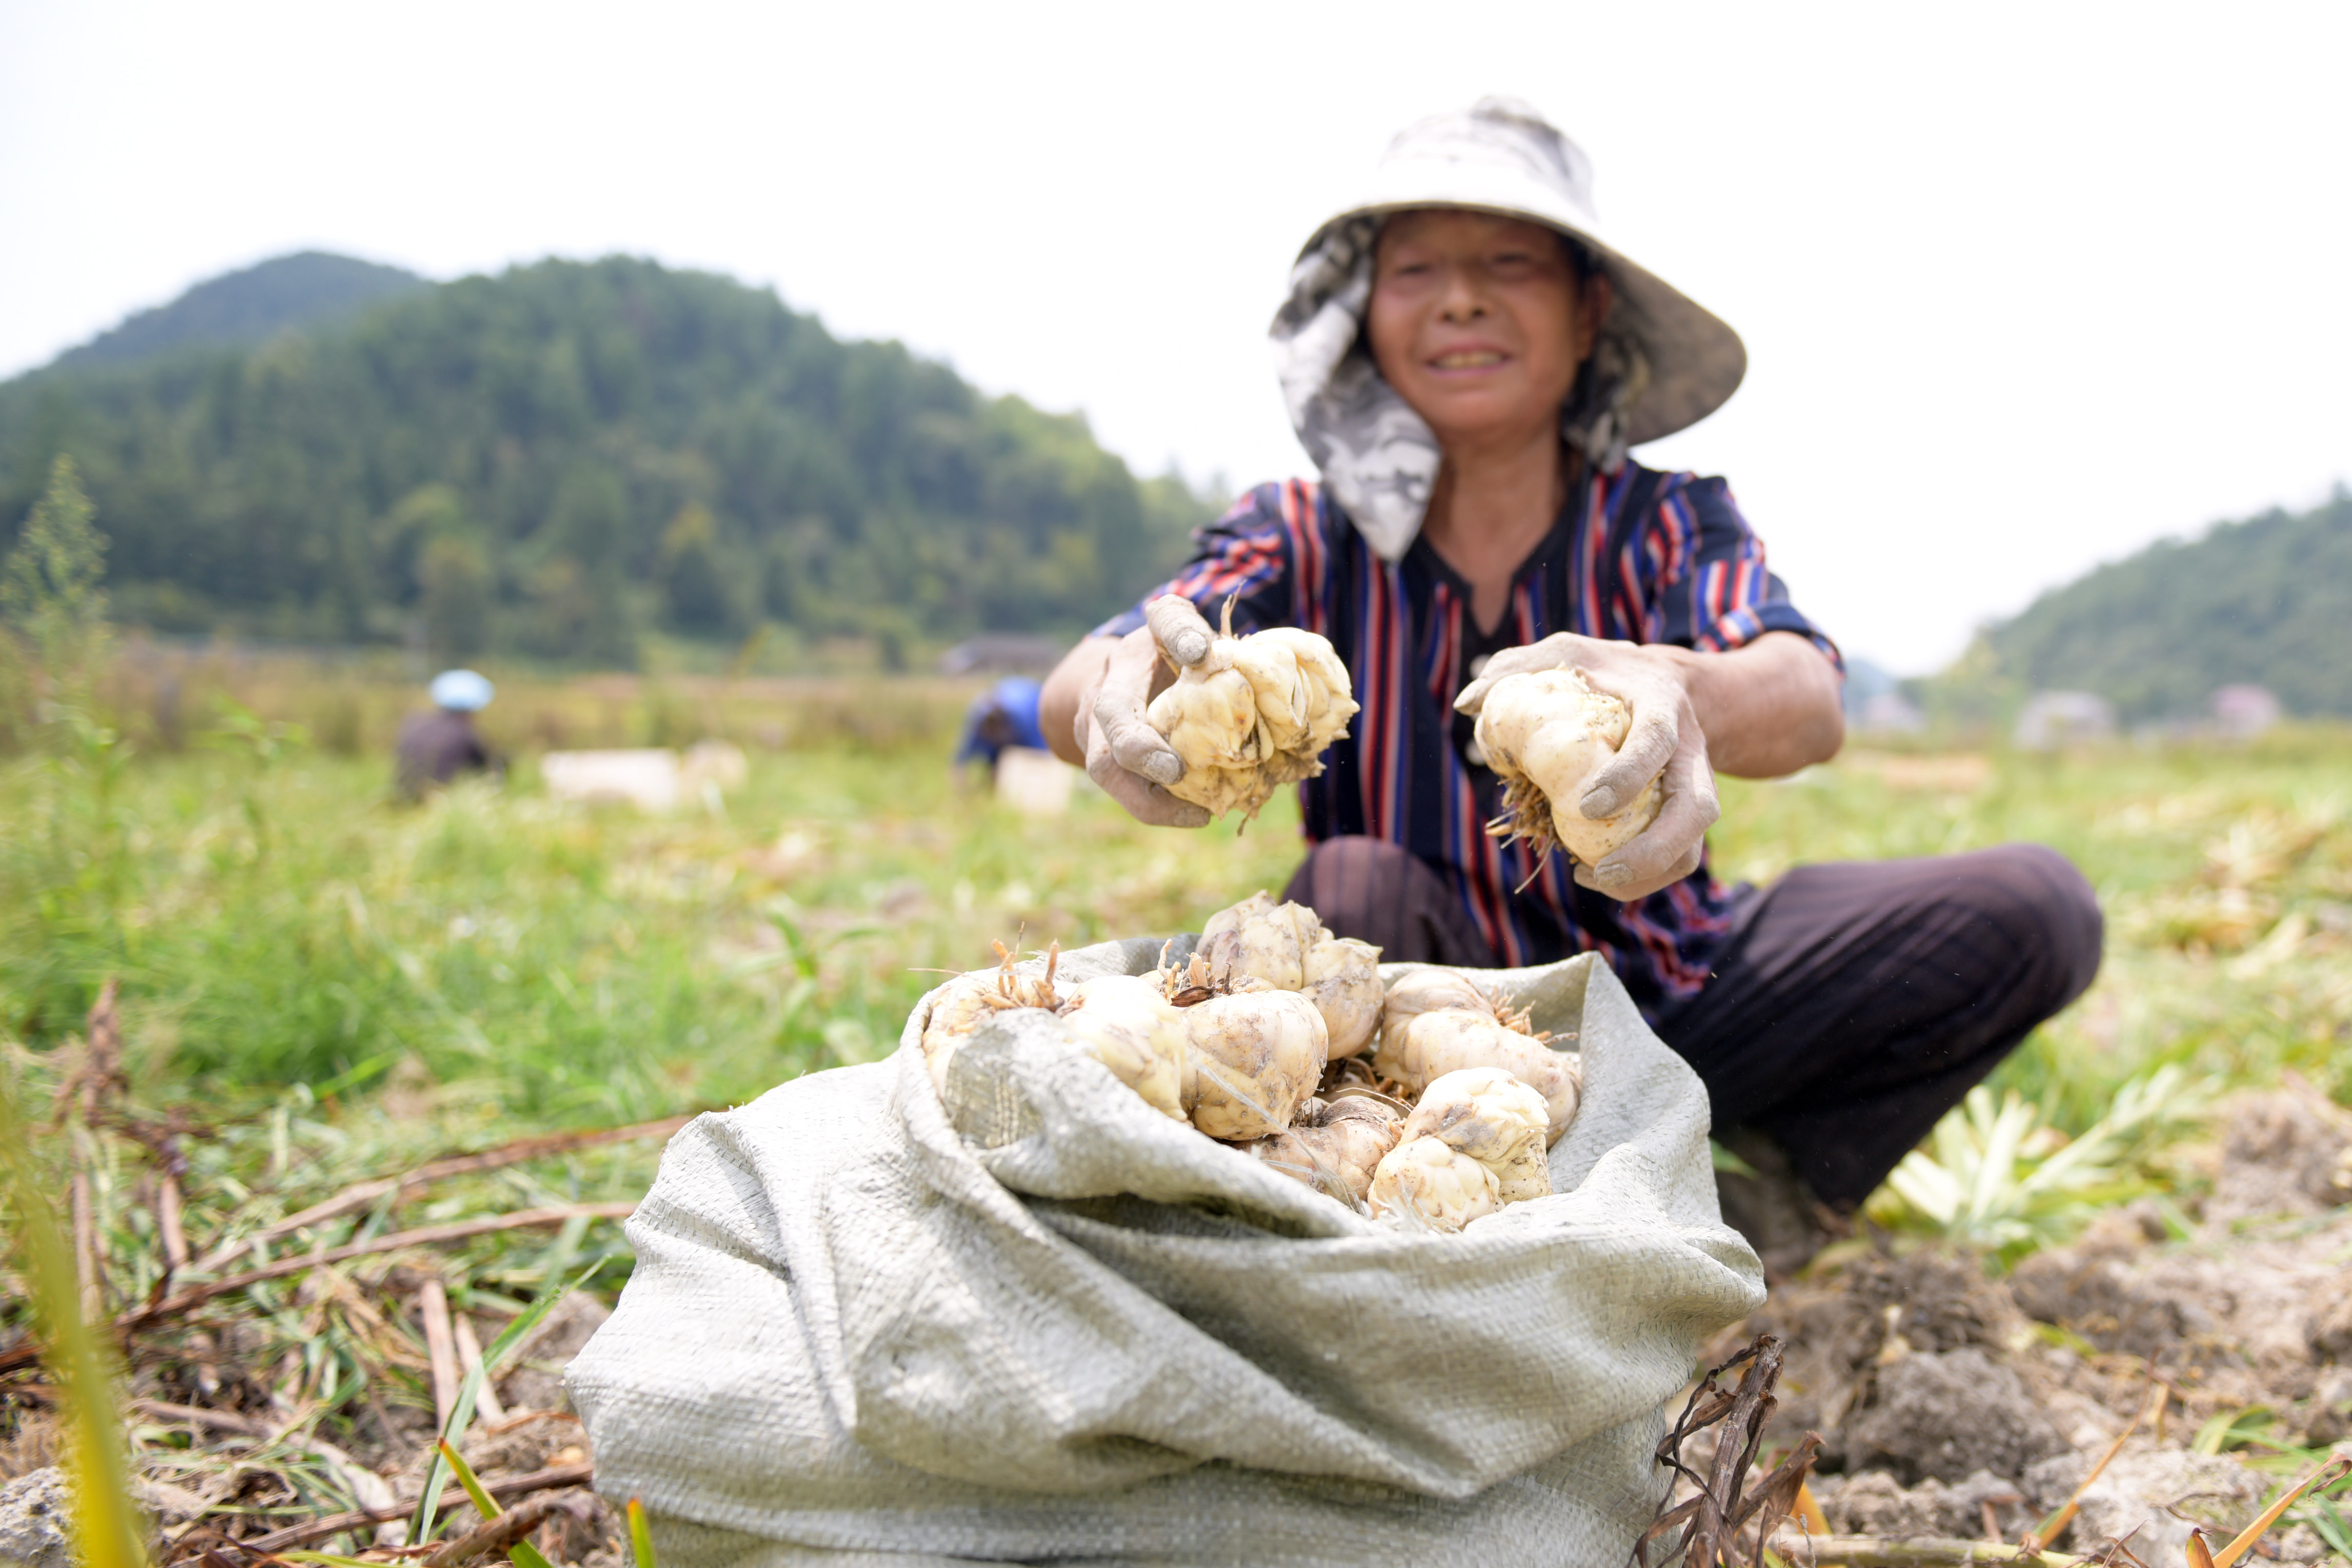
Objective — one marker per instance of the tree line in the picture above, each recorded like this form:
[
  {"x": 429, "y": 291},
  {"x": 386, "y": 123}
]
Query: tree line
[
  {"x": 2265, "y": 602},
  {"x": 558, "y": 459}
]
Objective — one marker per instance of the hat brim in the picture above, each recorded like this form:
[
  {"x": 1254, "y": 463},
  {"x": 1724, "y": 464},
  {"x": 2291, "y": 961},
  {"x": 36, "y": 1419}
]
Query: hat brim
[{"x": 1696, "y": 361}]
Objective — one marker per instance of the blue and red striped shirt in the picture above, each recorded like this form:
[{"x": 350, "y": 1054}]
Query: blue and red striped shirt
[{"x": 1637, "y": 557}]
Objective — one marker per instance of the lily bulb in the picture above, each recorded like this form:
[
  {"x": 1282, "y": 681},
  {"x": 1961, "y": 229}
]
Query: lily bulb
[
  {"x": 1255, "y": 714},
  {"x": 1256, "y": 1052},
  {"x": 1431, "y": 1185},
  {"x": 1286, "y": 946},
  {"x": 1333, "y": 1146},
  {"x": 1495, "y": 1119},
  {"x": 1546, "y": 733},
  {"x": 1127, "y": 1024}
]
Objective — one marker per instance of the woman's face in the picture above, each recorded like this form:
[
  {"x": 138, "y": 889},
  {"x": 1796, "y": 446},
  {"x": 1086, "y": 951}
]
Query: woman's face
[{"x": 1479, "y": 321}]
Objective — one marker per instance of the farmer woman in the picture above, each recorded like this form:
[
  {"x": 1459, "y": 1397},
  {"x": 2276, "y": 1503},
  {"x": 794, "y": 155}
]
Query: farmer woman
[{"x": 1467, "y": 361}]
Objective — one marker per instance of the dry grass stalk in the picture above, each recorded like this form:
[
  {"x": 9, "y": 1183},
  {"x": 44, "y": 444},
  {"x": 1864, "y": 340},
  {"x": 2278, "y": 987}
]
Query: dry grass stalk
[
  {"x": 2202, "y": 1556},
  {"x": 1935, "y": 1552},
  {"x": 89, "y": 1269},
  {"x": 495, "y": 1533},
  {"x": 2049, "y": 1529},
  {"x": 441, "y": 1346},
  {"x": 336, "y": 1524},
  {"x": 360, "y": 1195},
  {"x": 1713, "y": 1521},
  {"x": 425, "y": 1236},
  {"x": 167, "y": 1223},
  {"x": 219, "y": 1420},
  {"x": 487, "y": 1408}
]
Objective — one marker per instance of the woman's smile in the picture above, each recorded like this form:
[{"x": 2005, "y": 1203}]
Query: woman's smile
[{"x": 1467, "y": 358}]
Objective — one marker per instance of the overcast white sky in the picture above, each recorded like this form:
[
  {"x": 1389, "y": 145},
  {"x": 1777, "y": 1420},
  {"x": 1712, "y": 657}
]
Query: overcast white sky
[{"x": 2023, "y": 287}]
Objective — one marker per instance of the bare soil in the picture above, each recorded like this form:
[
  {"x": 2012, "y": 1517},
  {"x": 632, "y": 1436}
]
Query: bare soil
[{"x": 1953, "y": 1403}]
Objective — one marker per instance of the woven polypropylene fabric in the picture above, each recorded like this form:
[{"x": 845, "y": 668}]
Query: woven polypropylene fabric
[{"x": 1034, "y": 1319}]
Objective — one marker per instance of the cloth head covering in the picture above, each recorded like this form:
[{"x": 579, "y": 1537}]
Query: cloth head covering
[
  {"x": 1662, "y": 361},
  {"x": 461, "y": 692}
]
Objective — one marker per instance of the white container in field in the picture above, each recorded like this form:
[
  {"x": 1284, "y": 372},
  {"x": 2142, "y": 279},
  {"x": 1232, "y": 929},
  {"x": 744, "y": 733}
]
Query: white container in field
[
  {"x": 646, "y": 778},
  {"x": 1034, "y": 783},
  {"x": 717, "y": 764}
]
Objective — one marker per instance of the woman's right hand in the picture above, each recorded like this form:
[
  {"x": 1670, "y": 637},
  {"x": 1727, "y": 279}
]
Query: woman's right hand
[{"x": 1131, "y": 760}]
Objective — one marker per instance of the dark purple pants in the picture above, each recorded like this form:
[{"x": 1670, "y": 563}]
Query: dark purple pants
[{"x": 1855, "y": 1005}]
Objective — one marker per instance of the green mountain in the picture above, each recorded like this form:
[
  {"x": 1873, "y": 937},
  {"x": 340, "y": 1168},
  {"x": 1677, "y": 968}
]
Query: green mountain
[
  {"x": 2267, "y": 601},
  {"x": 556, "y": 459},
  {"x": 308, "y": 289}
]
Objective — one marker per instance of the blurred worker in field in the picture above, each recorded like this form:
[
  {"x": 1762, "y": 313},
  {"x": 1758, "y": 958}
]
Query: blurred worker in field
[
  {"x": 437, "y": 747},
  {"x": 1003, "y": 715}
]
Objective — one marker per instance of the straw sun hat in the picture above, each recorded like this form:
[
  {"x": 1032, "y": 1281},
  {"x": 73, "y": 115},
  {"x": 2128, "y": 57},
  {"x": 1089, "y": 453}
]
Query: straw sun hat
[{"x": 1664, "y": 361}]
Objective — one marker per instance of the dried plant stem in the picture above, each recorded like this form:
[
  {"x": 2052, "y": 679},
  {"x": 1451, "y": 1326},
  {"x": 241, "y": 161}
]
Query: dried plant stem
[
  {"x": 2202, "y": 1556},
  {"x": 1932, "y": 1551},
  {"x": 219, "y": 1420},
  {"x": 167, "y": 1223},
  {"x": 335, "y": 1524},
  {"x": 487, "y": 1408},
  {"x": 1704, "y": 1531},
  {"x": 426, "y": 1236},
  {"x": 494, "y": 1535},
  {"x": 364, "y": 1194},
  {"x": 2048, "y": 1529},
  {"x": 88, "y": 1266},
  {"x": 441, "y": 1347}
]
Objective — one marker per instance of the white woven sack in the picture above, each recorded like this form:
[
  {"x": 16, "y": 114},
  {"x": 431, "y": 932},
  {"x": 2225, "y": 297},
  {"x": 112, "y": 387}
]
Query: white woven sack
[{"x": 1043, "y": 1322}]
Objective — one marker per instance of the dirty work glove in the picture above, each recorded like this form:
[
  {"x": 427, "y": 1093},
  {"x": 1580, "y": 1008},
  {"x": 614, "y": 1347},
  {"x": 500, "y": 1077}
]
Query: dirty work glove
[
  {"x": 1666, "y": 742},
  {"x": 1131, "y": 760}
]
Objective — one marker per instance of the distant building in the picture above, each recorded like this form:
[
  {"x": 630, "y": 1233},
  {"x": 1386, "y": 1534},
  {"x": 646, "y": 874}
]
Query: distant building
[
  {"x": 2055, "y": 719},
  {"x": 1002, "y": 653},
  {"x": 1888, "y": 713},
  {"x": 2242, "y": 713}
]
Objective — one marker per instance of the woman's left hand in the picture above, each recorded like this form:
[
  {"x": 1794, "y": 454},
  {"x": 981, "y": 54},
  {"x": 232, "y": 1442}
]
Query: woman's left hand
[{"x": 1666, "y": 742}]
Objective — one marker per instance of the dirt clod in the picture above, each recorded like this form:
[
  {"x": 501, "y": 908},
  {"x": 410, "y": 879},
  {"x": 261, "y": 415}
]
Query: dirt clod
[
  {"x": 2091, "y": 1288},
  {"x": 1949, "y": 1415},
  {"x": 2286, "y": 1153},
  {"x": 2331, "y": 1321}
]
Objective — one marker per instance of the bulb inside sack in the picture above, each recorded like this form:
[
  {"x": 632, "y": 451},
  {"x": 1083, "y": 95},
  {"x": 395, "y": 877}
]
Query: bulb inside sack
[{"x": 1239, "y": 1040}]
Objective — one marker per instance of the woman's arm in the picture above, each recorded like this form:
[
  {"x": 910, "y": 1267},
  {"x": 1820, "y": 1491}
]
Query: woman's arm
[{"x": 1768, "y": 708}]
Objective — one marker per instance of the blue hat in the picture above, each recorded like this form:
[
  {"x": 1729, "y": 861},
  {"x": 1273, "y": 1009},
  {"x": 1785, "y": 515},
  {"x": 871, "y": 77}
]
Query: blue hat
[{"x": 462, "y": 691}]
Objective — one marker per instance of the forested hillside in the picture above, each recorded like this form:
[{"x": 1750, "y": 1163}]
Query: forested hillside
[
  {"x": 308, "y": 289},
  {"x": 2267, "y": 601},
  {"x": 556, "y": 459}
]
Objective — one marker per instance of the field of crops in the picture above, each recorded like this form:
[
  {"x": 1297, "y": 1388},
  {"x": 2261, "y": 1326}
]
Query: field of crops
[
  {"x": 318, "y": 985},
  {"x": 279, "y": 925}
]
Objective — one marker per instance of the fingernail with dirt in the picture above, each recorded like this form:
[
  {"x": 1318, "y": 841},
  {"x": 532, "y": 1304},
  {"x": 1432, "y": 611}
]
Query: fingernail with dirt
[
  {"x": 1598, "y": 803},
  {"x": 1164, "y": 767}
]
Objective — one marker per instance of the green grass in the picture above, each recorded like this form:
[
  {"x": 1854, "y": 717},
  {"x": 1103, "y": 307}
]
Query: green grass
[
  {"x": 275, "y": 919},
  {"x": 2225, "y": 875},
  {"x": 396, "y": 979},
  {"x": 278, "y": 921}
]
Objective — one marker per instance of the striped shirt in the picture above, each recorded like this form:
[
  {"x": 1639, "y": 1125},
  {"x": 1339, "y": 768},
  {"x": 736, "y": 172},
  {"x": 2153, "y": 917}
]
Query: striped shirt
[{"x": 1638, "y": 556}]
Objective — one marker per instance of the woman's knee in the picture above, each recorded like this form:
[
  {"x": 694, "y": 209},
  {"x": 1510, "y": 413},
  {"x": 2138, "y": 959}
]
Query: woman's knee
[{"x": 2054, "y": 914}]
